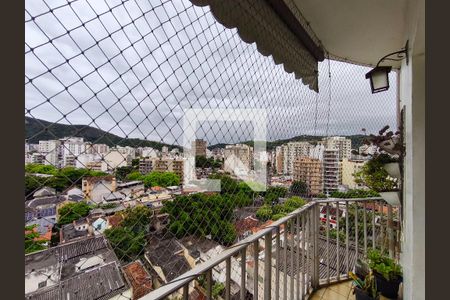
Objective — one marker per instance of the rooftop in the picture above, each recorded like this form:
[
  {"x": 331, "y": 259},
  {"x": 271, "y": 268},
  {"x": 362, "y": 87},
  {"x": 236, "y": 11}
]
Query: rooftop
[
  {"x": 85, "y": 269},
  {"x": 139, "y": 278},
  {"x": 168, "y": 255}
]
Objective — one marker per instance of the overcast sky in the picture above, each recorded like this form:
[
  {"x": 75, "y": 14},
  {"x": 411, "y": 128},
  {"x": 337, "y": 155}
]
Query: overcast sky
[{"x": 133, "y": 68}]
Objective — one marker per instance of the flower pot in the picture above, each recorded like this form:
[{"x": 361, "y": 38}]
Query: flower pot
[
  {"x": 387, "y": 288},
  {"x": 361, "y": 269},
  {"x": 363, "y": 295},
  {"x": 393, "y": 198},
  {"x": 393, "y": 169}
]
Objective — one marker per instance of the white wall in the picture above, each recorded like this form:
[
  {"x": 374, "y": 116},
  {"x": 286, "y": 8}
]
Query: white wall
[{"x": 412, "y": 96}]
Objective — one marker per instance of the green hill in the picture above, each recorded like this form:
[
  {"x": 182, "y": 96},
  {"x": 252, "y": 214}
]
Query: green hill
[{"x": 36, "y": 130}]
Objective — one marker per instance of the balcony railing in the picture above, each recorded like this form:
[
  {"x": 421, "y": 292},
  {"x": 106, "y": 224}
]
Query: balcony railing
[{"x": 310, "y": 248}]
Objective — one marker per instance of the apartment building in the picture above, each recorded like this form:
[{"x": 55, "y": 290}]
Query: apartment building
[
  {"x": 344, "y": 145},
  {"x": 309, "y": 170},
  {"x": 332, "y": 170},
  {"x": 238, "y": 158},
  {"x": 199, "y": 146},
  {"x": 147, "y": 165},
  {"x": 349, "y": 168},
  {"x": 291, "y": 151},
  {"x": 51, "y": 150},
  {"x": 278, "y": 160}
]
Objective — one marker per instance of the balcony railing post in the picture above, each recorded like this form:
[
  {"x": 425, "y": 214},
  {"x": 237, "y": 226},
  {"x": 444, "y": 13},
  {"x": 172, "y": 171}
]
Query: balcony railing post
[
  {"x": 268, "y": 266},
  {"x": 315, "y": 211},
  {"x": 243, "y": 272},
  {"x": 292, "y": 234},
  {"x": 186, "y": 292},
  {"x": 285, "y": 262},
  {"x": 304, "y": 261},
  {"x": 228, "y": 279},
  {"x": 277, "y": 275},
  {"x": 297, "y": 248},
  {"x": 256, "y": 267},
  {"x": 338, "y": 257},
  {"x": 209, "y": 284}
]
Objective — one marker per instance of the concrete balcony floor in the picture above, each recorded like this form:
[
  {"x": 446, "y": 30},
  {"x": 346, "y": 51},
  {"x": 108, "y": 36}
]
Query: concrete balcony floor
[{"x": 340, "y": 291}]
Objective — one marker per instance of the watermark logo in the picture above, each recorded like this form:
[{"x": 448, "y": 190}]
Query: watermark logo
[{"x": 248, "y": 163}]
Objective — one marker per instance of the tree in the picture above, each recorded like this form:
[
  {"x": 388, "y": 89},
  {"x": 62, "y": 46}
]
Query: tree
[
  {"x": 293, "y": 203},
  {"x": 33, "y": 183},
  {"x": 163, "y": 179},
  {"x": 32, "y": 244},
  {"x": 122, "y": 172},
  {"x": 135, "y": 163},
  {"x": 273, "y": 194},
  {"x": 264, "y": 213},
  {"x": 227, "y": 184},
  {"x": 41, "y": 169},
  {"x": 72, "y": 212},
  {"x": 135, "y": 175},
  {"x": 126, "y": 243},
  {"x": 299, "y": 188},
  {"x": 137, "y": 218},
  {"x": 201, "y": 215}
]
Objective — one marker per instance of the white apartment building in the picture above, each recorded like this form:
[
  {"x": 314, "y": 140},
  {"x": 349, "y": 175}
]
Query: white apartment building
[
  {"x": 99, "y": 149},
  {"x": 238, "y": 158},
  {"x": 291, "y": 151},
  {"x": 115, "y": 159},
  {"x": 343, "y": 144},
  {"x": 149, "y": 152},
  {"x": 332, "y": 170},
  {"x": 71, "y": 148},
  {"x": 51, "y": 150},
  {"x": 83, "y": 160},
  {"x": 126, "y": 151},
  {"x": 316, "y": 152}
]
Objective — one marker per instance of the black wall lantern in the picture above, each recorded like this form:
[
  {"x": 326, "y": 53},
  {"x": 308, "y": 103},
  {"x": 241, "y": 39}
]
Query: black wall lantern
[{"x": 379, "y": 76}]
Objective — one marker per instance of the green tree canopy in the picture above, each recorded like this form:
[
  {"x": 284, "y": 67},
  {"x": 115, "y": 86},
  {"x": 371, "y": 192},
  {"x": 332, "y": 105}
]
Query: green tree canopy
[
  {"x": 127, "y": 244},
  {"x": 137, "y": 218},
  {"x": 299, "y": 188},
  {"x": 202, "y": 214},
  {"x": 41, "y": 169},
  {"x": 135, "y": 175},
  {"x": 122, "y": 172},
  {"x": 273, "y": 194},
  {"x": 163, "y": 179},
  {"x": 72, "y": 212}
]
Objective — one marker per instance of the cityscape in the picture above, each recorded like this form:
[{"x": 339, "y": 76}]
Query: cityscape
[
  {"x": 224, "y": 150},
  {"x": 84, "y": 194}
]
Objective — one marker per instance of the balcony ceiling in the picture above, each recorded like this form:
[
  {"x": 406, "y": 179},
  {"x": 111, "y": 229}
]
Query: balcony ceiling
[{"x": 361, "y": 31}]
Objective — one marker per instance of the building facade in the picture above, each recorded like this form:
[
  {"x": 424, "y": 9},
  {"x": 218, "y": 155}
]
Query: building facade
[
  {"x": 332, "y": 170},
  {"x": 349, "y": 168},
  {"x": 238, "y": 158},
  {"x": 309, "y": 170},
  {"x": 199, "y": 146}
]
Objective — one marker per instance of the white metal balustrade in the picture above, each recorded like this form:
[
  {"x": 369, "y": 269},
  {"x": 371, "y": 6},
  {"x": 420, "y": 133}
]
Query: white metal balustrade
[{"x": 299, "y": 254}]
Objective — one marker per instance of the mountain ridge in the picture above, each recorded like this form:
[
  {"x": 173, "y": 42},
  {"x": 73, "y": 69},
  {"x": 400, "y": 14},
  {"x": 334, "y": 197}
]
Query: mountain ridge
[{"x": 38, "y": 129}]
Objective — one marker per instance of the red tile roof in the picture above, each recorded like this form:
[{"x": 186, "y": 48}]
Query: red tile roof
[{"x": 139, "y": 279}]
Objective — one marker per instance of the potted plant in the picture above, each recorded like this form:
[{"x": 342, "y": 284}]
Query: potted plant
[
  {"x": 390, "y": 164},
  {"x": 365, "y": 289},
  {"x": 374, "y": 175},
  {"x": 387, "y": 141},
  {"x": 388, "y": 274},
  {"x": 361, "y": 269}
]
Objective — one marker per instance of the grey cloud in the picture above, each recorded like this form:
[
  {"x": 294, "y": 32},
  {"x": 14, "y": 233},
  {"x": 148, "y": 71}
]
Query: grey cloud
[{"x": 188, "y": 61}]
